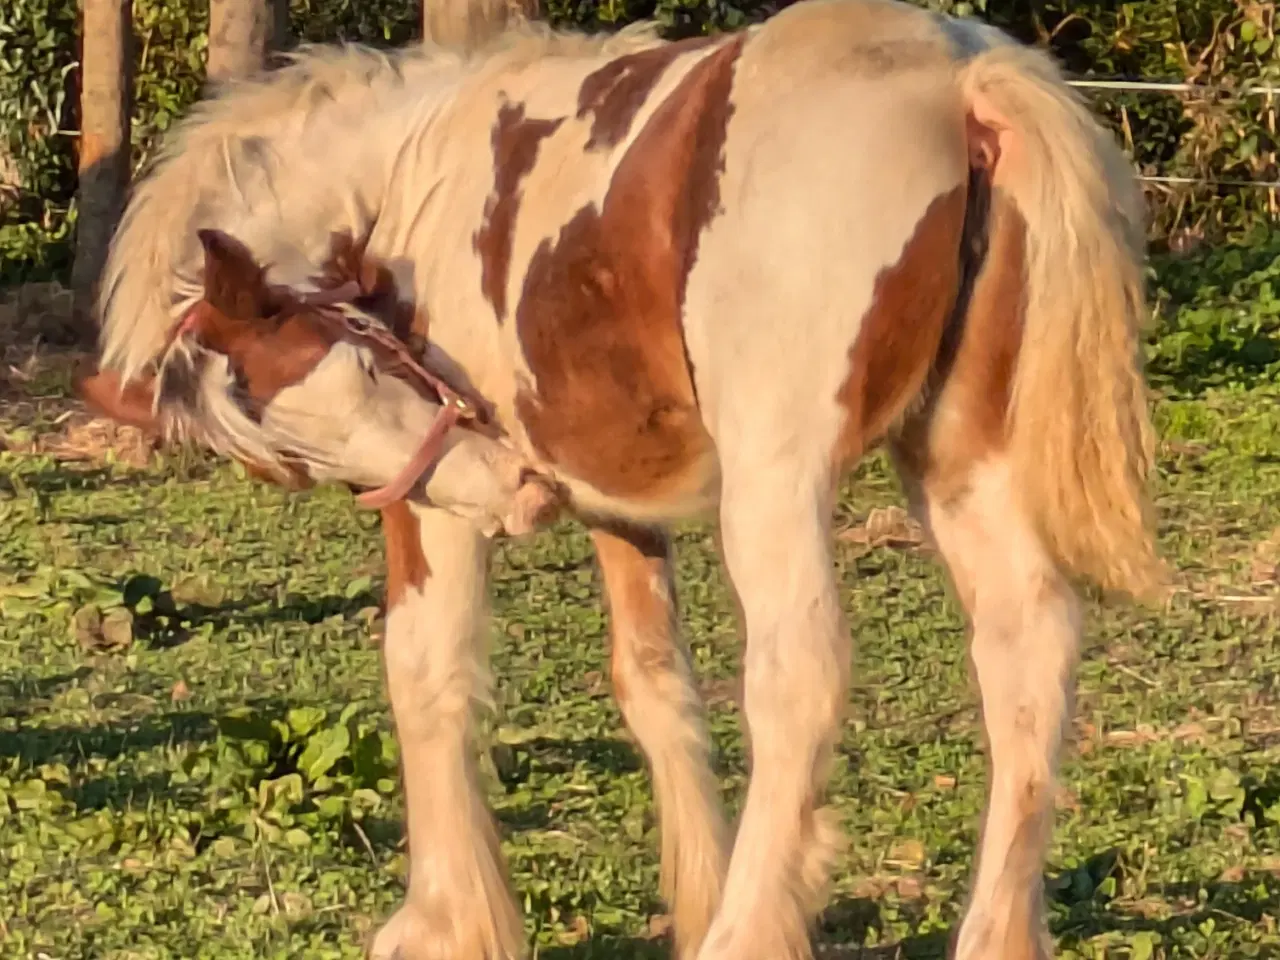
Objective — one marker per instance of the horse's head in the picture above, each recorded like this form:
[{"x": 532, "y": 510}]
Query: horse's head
[{"x": 311, "y": 386}]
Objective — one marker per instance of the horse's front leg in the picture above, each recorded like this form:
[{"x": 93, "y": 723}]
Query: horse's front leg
[{"x": 459, "y": 905}]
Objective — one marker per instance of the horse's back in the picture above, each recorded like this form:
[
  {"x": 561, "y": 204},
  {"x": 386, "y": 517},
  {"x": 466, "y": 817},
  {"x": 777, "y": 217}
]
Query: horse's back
[{"x": 681, "y": 235}]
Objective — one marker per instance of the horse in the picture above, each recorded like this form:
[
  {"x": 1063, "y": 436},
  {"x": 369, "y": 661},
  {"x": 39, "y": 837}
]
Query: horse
[{"x": 708, "y": 277}]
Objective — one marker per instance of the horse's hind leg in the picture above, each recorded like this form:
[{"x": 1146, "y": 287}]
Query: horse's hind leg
[
  {"x": 458, "y": 905},
  {"x": 654, "y": 684},
  {"x": 775, "y": 525},
  {"x": 1025, "y": 625}
]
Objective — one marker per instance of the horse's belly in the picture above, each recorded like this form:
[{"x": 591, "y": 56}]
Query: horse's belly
[{"x": 621, "y": 448}]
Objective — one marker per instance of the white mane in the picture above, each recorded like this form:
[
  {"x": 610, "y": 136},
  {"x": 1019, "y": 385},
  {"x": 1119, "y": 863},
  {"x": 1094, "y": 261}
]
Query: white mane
[{"x": 281, "y": 161}]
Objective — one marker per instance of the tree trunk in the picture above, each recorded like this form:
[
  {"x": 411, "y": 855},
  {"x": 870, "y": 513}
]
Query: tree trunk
[
  {"x": 242, "y": 33},
  {"x": 106, "y": 85},
  {"x": 281, "y": 32}
]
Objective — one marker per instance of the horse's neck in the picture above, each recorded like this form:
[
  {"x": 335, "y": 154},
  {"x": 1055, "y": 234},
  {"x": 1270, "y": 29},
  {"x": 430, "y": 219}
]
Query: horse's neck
[
  {"x": 425, "y": 232},
  {"x": 440, "y": 215}
]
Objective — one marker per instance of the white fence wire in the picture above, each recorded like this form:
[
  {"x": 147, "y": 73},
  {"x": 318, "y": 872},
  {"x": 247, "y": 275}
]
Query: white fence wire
[
  {"x": 1168, "y": 87},
  {"x": 1159, "y": 86}
]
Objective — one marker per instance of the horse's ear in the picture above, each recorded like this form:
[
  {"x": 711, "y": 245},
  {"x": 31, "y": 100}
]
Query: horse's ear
[
  {"x": 233, "y": 282},
  {"x": 349, "y": 262}
]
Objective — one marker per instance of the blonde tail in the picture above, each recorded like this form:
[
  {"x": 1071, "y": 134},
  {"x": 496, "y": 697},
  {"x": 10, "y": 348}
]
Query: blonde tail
[{"x": 1080, "y": 435}]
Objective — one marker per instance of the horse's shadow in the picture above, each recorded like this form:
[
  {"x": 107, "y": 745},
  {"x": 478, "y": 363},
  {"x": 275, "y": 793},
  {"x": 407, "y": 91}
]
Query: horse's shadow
[
  {"x": 35, "y": 746},
  {"x": 184, "y": 619},
  {"x": 260, "y": 611},
  {"x": 1248, "y": 899},
  {"x": 65, "y": 477},
  {"x": 610, "y": 757},
  {"x": 852, "y": 918},
  {"x": 18, "y": 693},
  {"x": 610, "y": 947},
  {"x": 847, "y": 921},
  {"x": 56, "y": 479}
]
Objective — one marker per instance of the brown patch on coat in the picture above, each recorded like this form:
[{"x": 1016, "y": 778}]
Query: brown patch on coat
[
  {"x": 981, "y": 375},
  {"x": 407, "y": 567},
  {"x": 265, "y": 361},
  {"x": 234, "y": 283},
  {"x": 287, "y": 475},
  {"x": 269, "y": 340},
  {"x": 614, "y": 94},
  {"x": 901, "y": 331},
  {"x": 633, "y": 560},
  {"x": 600, "y": 319},
  {"x": 973, "y": 385},
  {"x": 515, "y": 141},
  {"x": 349, "y": 263}
]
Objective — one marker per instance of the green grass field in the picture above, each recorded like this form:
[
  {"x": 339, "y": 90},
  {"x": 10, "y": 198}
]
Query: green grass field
[{"x": 195, "y": 759}]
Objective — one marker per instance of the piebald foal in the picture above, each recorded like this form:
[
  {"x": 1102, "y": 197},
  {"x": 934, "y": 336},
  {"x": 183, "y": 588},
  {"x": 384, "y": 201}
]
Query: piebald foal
[{"x": 714, "y": 274}]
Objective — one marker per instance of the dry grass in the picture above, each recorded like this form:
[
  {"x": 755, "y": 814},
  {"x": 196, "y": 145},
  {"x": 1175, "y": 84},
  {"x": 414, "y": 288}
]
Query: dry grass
[{"x": 41, "y": 348}]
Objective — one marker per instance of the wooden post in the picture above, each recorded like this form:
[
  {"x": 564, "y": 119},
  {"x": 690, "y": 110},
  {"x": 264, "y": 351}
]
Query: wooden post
[
  {"x": 106, "y": 88},
  {"x": 465, "y": 24},
  {"x": 281, "y": 30},
  {"x": 242, "y": 33}
]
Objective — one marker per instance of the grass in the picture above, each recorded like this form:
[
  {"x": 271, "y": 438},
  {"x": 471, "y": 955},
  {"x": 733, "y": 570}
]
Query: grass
[{"x": 195, "y": 757}]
